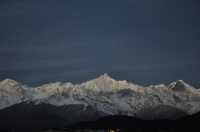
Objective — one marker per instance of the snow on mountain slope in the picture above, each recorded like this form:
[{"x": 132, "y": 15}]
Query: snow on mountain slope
[
  {"x": 11, "y": 92},
  {"x": 104, "y": 94},
  {"x": 181, "y": 86}
]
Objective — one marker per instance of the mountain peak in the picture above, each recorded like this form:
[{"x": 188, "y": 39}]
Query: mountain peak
[
  {"x": 180, "y": 85},
  {"x": 103, "y": 83},
  {"x": 105, "y": 76},
  {"x": 181, "y": 82},
  {"x": 8, "y": 81}
]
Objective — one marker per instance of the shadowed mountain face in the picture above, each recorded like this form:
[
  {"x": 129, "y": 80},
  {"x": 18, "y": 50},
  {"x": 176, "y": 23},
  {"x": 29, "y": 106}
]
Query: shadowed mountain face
[
  {"x": 31, "y": 117},
  {"x": 130, "y": 124},
  {"x": 60, "y": 105}
]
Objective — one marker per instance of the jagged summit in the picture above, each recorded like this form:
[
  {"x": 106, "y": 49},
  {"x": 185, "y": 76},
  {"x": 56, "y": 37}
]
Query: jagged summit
[
  {"x": 104, "y": 77},
  {"x": 105, "y": 83},
  {"x": 180, "y": 85},
  {"x": 9, "y": 81},
  {"x": 11, "y": 92},
  {"x": 10, "y": 85},
  {"x": 102, "y": 83}
]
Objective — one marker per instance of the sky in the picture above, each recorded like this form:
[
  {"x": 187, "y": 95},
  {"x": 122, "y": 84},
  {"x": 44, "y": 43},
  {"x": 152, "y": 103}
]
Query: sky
[{"x": 143, "y": 41}]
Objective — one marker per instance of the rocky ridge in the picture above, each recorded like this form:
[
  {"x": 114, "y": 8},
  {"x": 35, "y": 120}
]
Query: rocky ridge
[{"x": 106, "y": 95}]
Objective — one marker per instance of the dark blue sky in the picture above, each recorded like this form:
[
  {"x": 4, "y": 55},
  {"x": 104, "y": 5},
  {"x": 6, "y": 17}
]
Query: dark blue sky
[{"x": 145, "y": 41}]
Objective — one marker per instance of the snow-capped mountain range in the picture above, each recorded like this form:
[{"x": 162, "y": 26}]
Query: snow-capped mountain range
[{"x": 106, "y": 95}]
